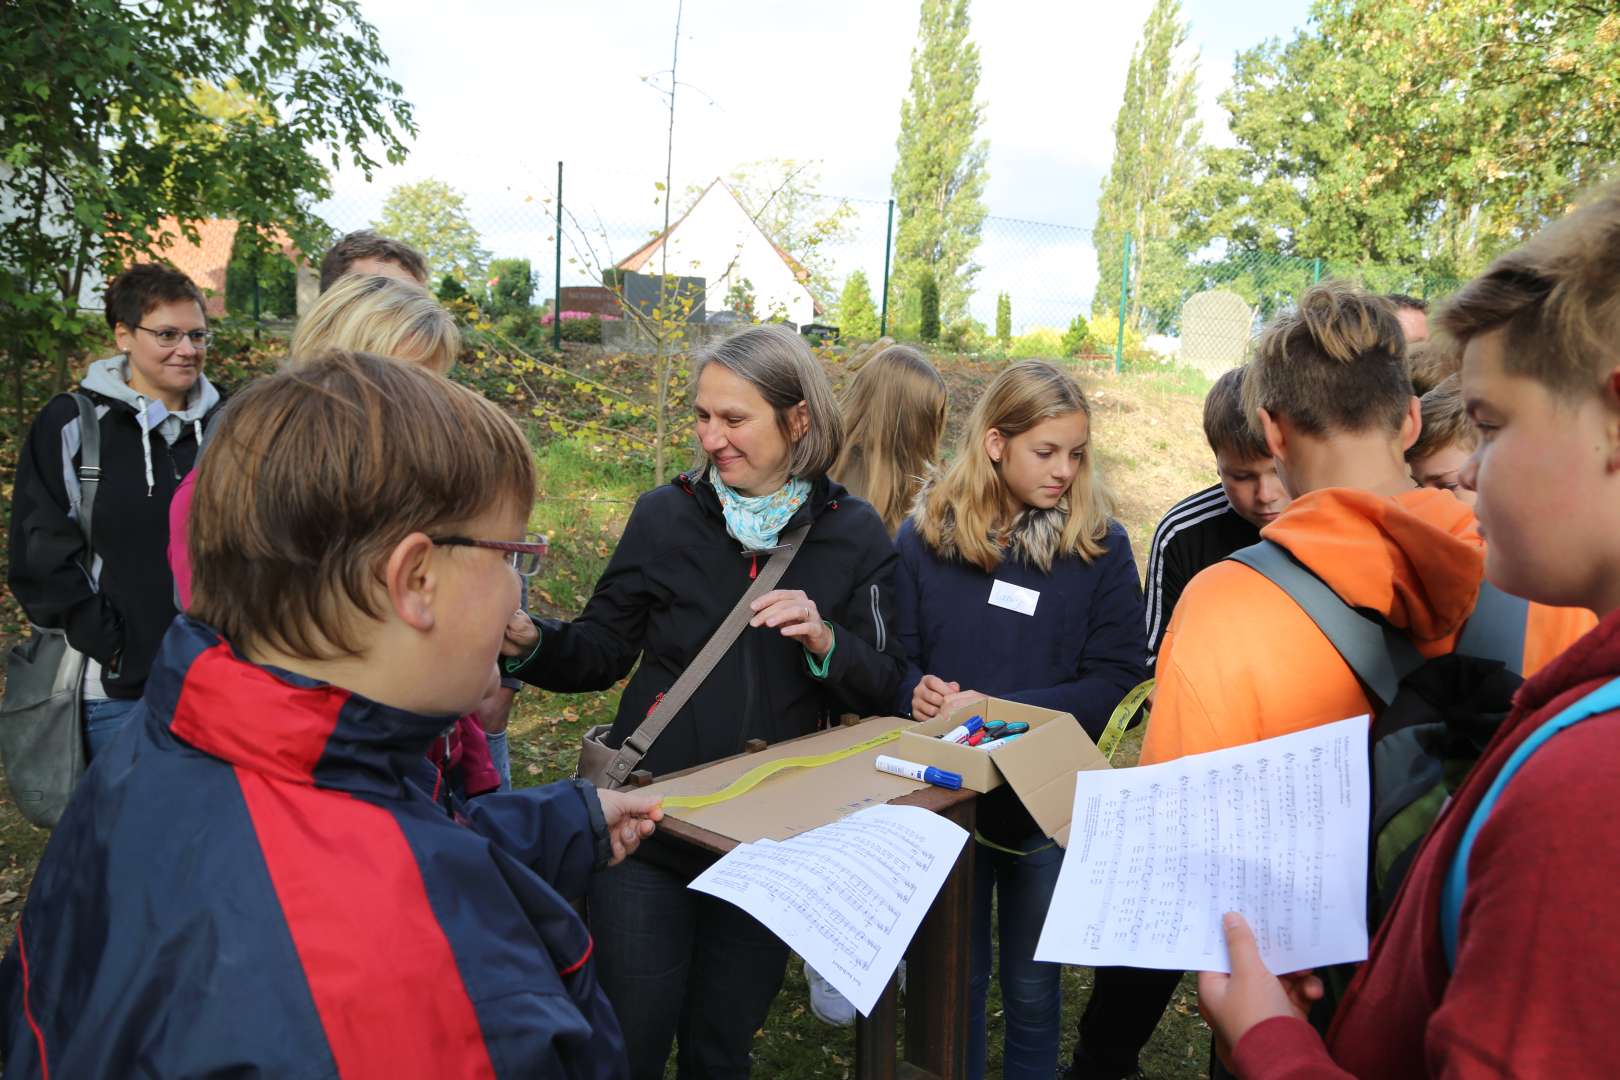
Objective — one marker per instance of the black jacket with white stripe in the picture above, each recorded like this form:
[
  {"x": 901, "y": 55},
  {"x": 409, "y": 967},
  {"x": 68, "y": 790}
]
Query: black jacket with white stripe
[
  {"x": 672, "y": 580},
  {"x": 1198, "y": 531}
]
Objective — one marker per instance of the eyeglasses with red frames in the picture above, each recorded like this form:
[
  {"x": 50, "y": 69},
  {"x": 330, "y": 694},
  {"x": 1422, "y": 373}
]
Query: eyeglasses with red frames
[{"x": 521, "y": 555}]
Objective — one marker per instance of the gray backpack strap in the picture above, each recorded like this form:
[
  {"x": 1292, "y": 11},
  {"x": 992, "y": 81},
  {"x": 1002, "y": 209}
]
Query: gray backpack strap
[
  {"x": 89, "y": 469},
  {"x": 1495, "y": 631},
  {"x": 640, "y": 741},
  {"x": 1379, "y": 655}
]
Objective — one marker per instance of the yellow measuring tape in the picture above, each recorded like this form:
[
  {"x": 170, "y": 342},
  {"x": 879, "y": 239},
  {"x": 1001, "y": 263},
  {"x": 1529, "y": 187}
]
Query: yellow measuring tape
[
  {"x": 1108, "y": 742},
  {"x": 753, "y": 777}
]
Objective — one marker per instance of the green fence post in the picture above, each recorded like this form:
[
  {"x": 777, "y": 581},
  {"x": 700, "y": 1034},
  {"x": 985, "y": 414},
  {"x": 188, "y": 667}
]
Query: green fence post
[
  {"x": 1316, "y": 272},
  {"x": 1124, "y": 297},
  {"x": 888, "y": 243},
  {"x": 556, "y": 285}
]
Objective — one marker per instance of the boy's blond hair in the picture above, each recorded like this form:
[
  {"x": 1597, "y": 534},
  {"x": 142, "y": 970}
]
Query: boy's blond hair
[
  {"x": 1225, "y": 426},
  {"x": 381, "y": 315},
  {"x": 316, "y": 473},
  {"x": 1335, "y": 364},
  {"x": 1430, "y": 362},
  {"x": 1558, "y": 297},
  {"x": 1445, "y": 422}
]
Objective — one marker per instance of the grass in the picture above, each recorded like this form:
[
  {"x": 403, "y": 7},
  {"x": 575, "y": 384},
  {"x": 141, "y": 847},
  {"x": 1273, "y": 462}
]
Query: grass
[{"x": 1150, "y": 450}]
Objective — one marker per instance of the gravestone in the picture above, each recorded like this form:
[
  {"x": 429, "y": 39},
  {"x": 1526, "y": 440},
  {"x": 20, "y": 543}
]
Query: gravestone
[{"x": 1216, "y": 328}]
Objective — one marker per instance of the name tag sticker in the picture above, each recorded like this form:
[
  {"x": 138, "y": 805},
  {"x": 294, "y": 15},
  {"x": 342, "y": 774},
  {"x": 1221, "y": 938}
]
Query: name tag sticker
[{"x": 1014, "y": 597}]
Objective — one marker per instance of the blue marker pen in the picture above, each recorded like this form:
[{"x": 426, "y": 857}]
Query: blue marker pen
[
  {"x": 960, "y": 732},
  {"x": 924, "y": 773}
]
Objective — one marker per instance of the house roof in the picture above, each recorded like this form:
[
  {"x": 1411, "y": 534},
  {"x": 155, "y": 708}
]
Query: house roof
[{"x": 642, "y": 255}]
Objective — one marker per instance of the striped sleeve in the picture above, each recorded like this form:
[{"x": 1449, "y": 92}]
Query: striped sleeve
[{"x": 1166, "y": 574}]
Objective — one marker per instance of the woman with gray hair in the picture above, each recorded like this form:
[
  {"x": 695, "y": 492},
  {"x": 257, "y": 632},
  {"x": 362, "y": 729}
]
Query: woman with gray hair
[{"x": 678, "y": 965}]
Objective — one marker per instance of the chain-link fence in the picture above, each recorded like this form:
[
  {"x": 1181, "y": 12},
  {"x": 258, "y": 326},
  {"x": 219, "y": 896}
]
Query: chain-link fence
[{"x": 582, "y": 233}]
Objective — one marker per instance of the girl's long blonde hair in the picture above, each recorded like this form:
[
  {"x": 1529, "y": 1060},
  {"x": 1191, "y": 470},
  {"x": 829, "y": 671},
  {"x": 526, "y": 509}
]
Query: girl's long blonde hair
[
  {"x": 381, "y": 315},
  {"x": 963, "y": 514},
  {"x": 894, "y": 415}
]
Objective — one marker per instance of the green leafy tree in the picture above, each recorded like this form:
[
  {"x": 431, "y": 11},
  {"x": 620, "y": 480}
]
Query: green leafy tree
[
  {"x": 274, "y": 273},
  {"x": 857, "y": 316},
  {"x": 928, "y": 307},
  {"x": 1423, "y": 139},
  {"x": 740, "y": 297},
  {"x": 939, "y": 178},
  {"x": 1156, "y": 136},
  {"x": 511, "y": 289},
  {"x": 431, "y": 216},
  {"x": 1004, "y": 320},
  {"x": 106, "y": 142}
]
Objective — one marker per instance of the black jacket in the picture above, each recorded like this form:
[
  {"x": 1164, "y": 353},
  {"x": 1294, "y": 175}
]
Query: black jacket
[
  {"x": 673, "y": 579},
  {"x": 119, "y": 619}
]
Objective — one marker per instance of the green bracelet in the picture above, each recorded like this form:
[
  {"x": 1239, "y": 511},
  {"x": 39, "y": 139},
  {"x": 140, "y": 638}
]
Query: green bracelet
[{"x": 818, "y": 668}]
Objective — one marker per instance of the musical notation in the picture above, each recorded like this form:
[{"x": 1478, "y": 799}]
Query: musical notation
[
  {"x": 847, "y": 896},
  {"x": 1276, "y": 830}
]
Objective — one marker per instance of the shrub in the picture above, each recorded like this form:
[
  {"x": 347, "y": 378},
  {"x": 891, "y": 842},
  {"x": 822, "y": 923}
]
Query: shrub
[
  {"x": 278, "y": 280},
  {"x": 511, "y": 287},
  {"x": 1077, "y": 339},
  {"x": 928, "y": 300},
  {"x": 857, "y": 317},
  {"x": 1004, "y": 320},
  {"x": 1040, "y": 342}
]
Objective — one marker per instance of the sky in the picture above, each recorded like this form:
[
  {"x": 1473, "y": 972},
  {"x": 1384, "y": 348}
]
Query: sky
[{"x": 504, "y": 89}]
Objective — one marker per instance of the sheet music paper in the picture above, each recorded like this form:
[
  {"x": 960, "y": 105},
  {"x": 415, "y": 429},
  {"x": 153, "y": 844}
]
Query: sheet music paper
[
  {"x": 1276, "y": 830},
  {"x": 847, "y": 896}
]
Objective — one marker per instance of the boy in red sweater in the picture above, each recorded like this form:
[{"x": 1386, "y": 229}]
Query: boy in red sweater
[{"x": 1537, "y": 962}]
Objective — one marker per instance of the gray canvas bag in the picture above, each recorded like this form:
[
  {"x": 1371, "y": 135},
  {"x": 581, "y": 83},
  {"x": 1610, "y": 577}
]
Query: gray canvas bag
[
  {"x": 609, "y": 767},
  {"x": 41, "y": 731}
]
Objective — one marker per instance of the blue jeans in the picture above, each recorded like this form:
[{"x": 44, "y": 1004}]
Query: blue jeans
[
  {"x": 103, "y": 719},
  {"x": 682, "y": 967},
  {"x": 500, "y": 755},
  {"x": 1031, "y": 991}
]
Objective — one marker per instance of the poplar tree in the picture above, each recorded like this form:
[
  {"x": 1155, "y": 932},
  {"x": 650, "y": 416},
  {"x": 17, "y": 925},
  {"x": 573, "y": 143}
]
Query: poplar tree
[
  {"x": 1156, "y": 138},
  {"x": 940, "y": 176}
]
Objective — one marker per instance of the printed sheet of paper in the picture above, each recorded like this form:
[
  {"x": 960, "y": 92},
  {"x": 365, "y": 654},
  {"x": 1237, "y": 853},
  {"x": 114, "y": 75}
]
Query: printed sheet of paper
[
  {"x": 1276, "y": 830},
  {"x": 848, "y": 896}
]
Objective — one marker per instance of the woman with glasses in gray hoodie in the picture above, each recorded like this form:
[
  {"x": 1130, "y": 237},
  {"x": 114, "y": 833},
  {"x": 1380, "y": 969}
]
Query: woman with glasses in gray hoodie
[{"x": 151, "y": 403}]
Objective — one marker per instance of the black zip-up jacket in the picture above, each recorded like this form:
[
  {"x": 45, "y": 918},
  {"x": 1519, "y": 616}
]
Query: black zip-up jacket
[
  {"x": 673, "y": 579},
  {"x": 121, "y": 618}
]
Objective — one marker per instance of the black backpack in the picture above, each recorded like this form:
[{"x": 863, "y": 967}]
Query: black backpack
[{"x": 1432, "y": 718}]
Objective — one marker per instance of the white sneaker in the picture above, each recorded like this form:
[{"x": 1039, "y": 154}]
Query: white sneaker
[{"x": 828, "y": 1004}]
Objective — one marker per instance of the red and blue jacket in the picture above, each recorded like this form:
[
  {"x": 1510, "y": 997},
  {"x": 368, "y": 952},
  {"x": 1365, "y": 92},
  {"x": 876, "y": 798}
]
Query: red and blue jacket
[{"x": 253, "y": 880}]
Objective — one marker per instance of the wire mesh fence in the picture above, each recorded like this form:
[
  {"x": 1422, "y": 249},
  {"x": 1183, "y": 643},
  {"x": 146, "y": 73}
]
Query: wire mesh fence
[{"x": 575, "y": 232}]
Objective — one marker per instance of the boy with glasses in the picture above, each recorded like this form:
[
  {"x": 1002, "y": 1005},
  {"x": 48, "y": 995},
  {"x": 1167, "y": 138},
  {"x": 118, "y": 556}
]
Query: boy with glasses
[
  {"x": 151, "y": 404},
  {"x": 259, "y": 878}
]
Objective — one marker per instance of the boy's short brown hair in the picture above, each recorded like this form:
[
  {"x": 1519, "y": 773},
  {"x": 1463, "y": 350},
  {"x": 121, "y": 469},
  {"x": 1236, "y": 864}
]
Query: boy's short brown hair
[
  {"x": 1225, "y": 425},
  {"x": 1558, "y": 297},
  {"x": 1335, "y": 364},
  {"x": 1430, "y": 362},
  {"x": 365, "y": 244},
  {"x": 1445, "y": 421},
  {"x": 316, "y": 473}
]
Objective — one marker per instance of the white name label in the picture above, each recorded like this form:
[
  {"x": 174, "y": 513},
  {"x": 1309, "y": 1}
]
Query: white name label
[{"x": 1004, "y": 594}]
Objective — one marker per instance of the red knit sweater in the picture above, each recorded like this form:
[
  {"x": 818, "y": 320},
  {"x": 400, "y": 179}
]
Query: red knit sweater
[{"x": 1537, "y": 984}]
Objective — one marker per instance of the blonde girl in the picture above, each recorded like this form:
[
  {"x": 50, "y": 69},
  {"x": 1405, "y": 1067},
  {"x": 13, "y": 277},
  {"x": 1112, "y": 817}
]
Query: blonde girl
[{"x": 894, "y": 416}]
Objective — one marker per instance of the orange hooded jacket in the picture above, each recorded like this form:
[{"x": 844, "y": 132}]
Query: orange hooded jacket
[{"x": 1241, "y": 662}]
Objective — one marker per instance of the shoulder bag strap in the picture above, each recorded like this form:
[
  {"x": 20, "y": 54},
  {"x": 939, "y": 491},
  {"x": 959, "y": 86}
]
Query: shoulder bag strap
[
  {"x": 1495, "y": 631},
  {"x": 1379, "y": 655},
  {"x": 89, "y": 470},
  {"x": 640, "y": 741}
]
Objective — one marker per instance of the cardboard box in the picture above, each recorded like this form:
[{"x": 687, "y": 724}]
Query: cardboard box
[{"x": 1040, "y": 767}]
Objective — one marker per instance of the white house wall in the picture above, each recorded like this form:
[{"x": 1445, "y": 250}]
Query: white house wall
[{"x": 718, "y": 242}]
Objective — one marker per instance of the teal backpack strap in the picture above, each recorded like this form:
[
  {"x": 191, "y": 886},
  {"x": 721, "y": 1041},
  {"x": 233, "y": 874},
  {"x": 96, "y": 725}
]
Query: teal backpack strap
[
  {"x": 1495, "y": 631},
  {"x": 1605, "y": 698},
  {"x": 1379, "y": 655}
]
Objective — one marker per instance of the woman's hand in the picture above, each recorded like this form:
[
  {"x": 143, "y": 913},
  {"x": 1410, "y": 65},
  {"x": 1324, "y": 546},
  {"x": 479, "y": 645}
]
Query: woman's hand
[
  {"x": 631, "y": 818},
  {"x": 521, "y": 635},
  {"x": 1232, "y": 1004},
  {"x": 795, "y": 614},
  {"x": 929, "y": 697}
]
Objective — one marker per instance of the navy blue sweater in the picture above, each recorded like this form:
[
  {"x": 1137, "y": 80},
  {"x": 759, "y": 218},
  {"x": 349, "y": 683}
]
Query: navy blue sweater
[{"x": 1080, "y": 652}]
